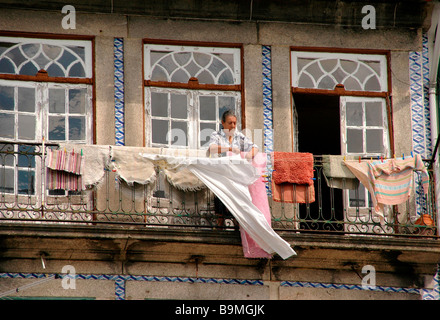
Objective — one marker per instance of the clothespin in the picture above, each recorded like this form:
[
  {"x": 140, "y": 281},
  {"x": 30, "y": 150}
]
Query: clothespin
[
  {"x": 81, "y": 152},
  {"x": 412, "y": 156},
  {"x": 359, "y": 159},
  {"x": 403, "y": 156},
  {"x": 344, "y": 158},
  {"x": 381, "y": 158}
]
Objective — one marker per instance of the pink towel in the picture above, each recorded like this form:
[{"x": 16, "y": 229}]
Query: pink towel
[{"x": 259, "y": 198}]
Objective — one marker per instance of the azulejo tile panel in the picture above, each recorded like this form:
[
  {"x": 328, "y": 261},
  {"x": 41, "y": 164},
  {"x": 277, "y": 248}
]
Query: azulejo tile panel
[{"x": 119, "y": 91}]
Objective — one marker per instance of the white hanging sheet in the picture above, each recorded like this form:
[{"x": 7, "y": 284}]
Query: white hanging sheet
[{"x": 229, "y": 178}]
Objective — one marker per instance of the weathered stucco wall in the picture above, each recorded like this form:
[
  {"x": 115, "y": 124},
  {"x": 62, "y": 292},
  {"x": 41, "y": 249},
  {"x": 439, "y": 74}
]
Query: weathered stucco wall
[{"x": 281, "y": 36}]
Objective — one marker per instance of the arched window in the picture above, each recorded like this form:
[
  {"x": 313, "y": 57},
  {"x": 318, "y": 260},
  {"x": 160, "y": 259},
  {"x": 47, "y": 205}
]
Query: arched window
[
  {"x": 187, "y": 88},
  {"x": 45, "y": 93}
]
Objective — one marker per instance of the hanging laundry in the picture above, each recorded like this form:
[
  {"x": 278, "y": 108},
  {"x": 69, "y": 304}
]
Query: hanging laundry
[
  {"x": 96, "y": 158},
  {"x": 228, "y": 178},
  {"x": 390, "y": 181},
  {"x": 183, "y": 179},
  {"x": 259, "y": 197},
  {"x": 292, "y": 178},
  {"x": 393, "y": 178},
  {"x": 336, "y": 173},
  {"x": 64, "y": 170},
  {"x": 130, "y": 166}
]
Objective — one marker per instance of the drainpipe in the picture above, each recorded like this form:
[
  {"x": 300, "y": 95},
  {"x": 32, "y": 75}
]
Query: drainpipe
[
  {"x": 434, "y": 137},
  {"x": 434, "y": 56}
]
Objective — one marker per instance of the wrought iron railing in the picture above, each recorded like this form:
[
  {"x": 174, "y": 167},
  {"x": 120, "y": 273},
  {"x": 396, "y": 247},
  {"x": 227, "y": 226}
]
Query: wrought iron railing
[{"x": 24, "y": 198}]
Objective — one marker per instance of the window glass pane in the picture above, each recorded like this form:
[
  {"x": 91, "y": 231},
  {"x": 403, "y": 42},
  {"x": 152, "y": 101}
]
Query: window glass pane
[
  {"x": 57, "y": 128},
  {"x": 6, "y": 180},
  {"x": 182, "y": 58},
  {"x": 168, "y": 64},
  {"x": 202, "y": 59},
  {"x": 226, "y": 77},
  {"x": 354, "y": 141},
  {"x": 159, "y": 131},
  {"x": 77, "y": 100},
  {"x": 26, "y": 157},
  {"x": 67, "y": 58},
  {"x": 205, "y": 132},
  {"x": 159, "y": 104},
  {"x": 354, "y": 114},
  {"x": 26, "y": 99},
  {"x": 207, "y": 108},
  {"x": 327, "y": 83},
  {"x": 6, "y": 98},
  {"x": 29, "y": 69},
  {"x": 205, "y": 77},
  {"x": 228, "y": 58},
  {"x": 216, "y": 66},
  {"x": 26, "y": 127},
  {"x": 51, "y": 51},
  {"x": 77, "y": 128},
  {"x": 6, "y": 159},
  {"x": 357, "y": 197},
  {"x": 373, "y": 112},
  {"x": 7, "y": 126},
  {"x": 77, "y": 70},
  {"x": 55, "y": 70},
  {"x": 328, "y": 64},
  {"x": 26, "y": 182},
  {"x": 57, "y": 100},
  {"x": 6, "y": 66},
  {"x": 180, "y": 76},
  {"x": 179, "y": 133},
  {"x": 225, "y": 103},
  {"x": 374, "y": 140},
  {"x": 372, "y": 84},
  {"x": 179, "y": 108}
]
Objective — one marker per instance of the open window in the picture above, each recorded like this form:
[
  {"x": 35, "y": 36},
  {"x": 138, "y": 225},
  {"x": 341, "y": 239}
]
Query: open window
[{"x": 340, "y": 108}]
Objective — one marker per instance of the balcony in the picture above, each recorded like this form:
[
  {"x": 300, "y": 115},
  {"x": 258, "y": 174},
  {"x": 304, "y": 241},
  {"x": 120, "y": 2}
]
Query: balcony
[{"x": 25, "y": 199}]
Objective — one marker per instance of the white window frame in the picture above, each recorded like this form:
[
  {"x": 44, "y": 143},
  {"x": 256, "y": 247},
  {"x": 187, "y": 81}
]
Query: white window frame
[
  {"x": 314, "y": 56},
  {"x": 344, "y": 126},
  {"x": 88, "y": 58},
  {"x": 148, "y": 48},
  {"x": 193, "y": 119}
]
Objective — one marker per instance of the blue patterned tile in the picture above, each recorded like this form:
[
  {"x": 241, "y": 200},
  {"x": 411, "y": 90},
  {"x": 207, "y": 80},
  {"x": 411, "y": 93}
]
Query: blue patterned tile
[{"x": 118, "y": 47}]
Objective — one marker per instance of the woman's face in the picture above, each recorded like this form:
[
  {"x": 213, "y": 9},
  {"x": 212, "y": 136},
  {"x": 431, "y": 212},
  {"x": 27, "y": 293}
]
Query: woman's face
[{"x": 229, "y": 125}]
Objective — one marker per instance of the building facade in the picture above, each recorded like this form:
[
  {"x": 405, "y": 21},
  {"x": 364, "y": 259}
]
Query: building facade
[{"x": 116, "y": 79}]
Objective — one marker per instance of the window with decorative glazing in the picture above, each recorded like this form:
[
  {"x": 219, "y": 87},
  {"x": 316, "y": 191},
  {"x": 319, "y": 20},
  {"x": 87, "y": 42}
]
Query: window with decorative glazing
[{"x": 187, "y": 88}]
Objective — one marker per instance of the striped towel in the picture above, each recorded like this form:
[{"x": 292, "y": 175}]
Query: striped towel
[
  {"x": 64, "y": 170},
  {"x": 393, "y": 178}
]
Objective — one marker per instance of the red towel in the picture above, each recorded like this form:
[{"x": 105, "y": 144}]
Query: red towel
[
  {"x": 296, "y": 168},
  {"x": 292, "y": 178}
]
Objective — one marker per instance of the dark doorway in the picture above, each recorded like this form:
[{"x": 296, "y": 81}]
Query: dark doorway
[{"x": 318, "y": 132}]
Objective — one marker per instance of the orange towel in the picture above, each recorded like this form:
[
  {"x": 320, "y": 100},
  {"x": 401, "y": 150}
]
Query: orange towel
[
  {"x": 292, "y": 178},
  {"x": 288, "y": 192}
]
